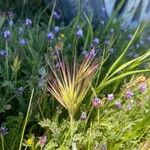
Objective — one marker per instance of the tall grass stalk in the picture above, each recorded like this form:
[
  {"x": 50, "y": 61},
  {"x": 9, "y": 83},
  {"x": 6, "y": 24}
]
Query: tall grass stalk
[
  {"x": 50, "y": 19},
  {"x": 26, "y": 119},
  {"x": 7, "y": 60},
  {"x": 2, "y": 139}
]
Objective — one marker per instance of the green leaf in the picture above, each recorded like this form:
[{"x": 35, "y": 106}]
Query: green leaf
[
  {"x": 115, "y": 64},
  {"x": 119, "y": 77}
]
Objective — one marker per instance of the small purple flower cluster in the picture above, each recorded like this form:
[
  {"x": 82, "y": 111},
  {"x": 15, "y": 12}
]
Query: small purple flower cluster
[
  {"x": 28, "y": 22},
  {"x": 79, "y": 33},
  {"x": 42, "y": 140},
  {"x": 110, "y": 97},
  {"x": 142, "y": 87},
  {"x": 50, "y": 36},
  {"x": 7, "y": 35},
  {"x": 96, "y": 41},
  {"x": 2, "y": 53},
  {"x": 128, "y": 94},
  {"x": 3, "y": 131},
  {"x": 56, "y": 15},
  {"x": 83, "y": 116},
  {"x": 96, "y": 102},
  {"x": 22, "y": 42}
]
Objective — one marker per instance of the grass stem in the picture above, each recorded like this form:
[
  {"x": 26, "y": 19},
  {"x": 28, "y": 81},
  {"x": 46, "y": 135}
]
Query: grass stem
[
  {"x": 26, "y": 119},
  {"x": 2, "y": 138}
]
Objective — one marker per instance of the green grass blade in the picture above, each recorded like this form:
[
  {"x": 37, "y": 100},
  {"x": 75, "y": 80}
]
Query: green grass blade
[
  {"x": 115, "y": 64},
  {"x": 106, "y": 83}
]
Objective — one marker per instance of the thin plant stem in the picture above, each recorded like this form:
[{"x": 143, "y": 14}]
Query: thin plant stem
[
  {"x": 98, "y": 115},
  {"x": 7, "y": 67},
  {"x": 50, "y": 19},
  {"x": 26, "y": 119},
  {"x": 2, "y": 138},
  {"x": 71, "y": 125}
]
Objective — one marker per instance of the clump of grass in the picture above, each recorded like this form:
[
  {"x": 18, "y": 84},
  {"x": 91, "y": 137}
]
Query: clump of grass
[{"x": 70, "y": 86}]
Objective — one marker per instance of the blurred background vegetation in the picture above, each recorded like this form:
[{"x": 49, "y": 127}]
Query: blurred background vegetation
[{"x": 22, "y": 7}]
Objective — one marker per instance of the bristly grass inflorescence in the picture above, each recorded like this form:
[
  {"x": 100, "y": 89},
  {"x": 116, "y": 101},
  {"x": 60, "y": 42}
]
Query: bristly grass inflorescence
[{"x": 70, "y": 85}]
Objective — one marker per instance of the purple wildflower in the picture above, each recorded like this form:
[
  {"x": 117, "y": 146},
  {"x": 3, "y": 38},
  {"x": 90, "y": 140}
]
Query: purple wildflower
[
  {"x": 3, "y": 131},
  {"x": 22, "y": 42},
  {"x": 110, "y": 97},
  {"x": 56, "y": 29},
  {"x": 79, "y": 33},
  {"x": 42, "y": 140},
  {"x": 96, "y": 41},
  {"x": 83, "y": 116},
  {"x": 2, "y": 53},
  {"x": 96, "y": 102},
  {"x": 142, "y": 87},
  {"x": 28, "y": 22},
  {"x": 7, "y": 34},
  {"x": 56, "y": 15},
  {"x": 50, "y": 36},
  {"x": 118, "y": 105},
  {"x": 129, "y": 94}
]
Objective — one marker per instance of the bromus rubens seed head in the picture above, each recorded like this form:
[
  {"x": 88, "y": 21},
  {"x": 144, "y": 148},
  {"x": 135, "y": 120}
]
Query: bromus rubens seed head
[{"x": 69, "y": 84}]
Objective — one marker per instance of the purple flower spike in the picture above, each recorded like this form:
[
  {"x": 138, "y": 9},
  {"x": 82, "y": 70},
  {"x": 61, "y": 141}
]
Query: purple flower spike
[
  {"x": 96, "y": 102},
  {"x": 28, "y": 22},
  {"x": 2, "y": 53},
  {"x": 83, "y": 116},
  {"x": 96, "y": 41},
  {"x": 50, "y": 36},
  {"x": 118, "y": 105},
  {"x": 79, "y": 33},
  {"x": 142, "y": 87},
  {"x": 56, "y": 15},
  {"x": 7, "y": 34},
  {"x": 110, "y": 97},
  {"x": 22, "y": 42},
  {"x": 42, "y": 140},
  {"x": 56, "y": 29},
  {"x": 128, "y": 94},
  {"x": 3, "y": 131}
]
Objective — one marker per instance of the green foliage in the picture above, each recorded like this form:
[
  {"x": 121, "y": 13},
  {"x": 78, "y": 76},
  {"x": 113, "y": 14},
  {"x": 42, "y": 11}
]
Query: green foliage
[{"x": 26, "y": 67}]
